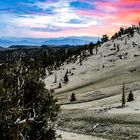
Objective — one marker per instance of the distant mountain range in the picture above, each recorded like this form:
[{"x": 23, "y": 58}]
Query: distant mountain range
[
  {"x": 7, "y": 41},
  {"x": 2, "y": 48}
]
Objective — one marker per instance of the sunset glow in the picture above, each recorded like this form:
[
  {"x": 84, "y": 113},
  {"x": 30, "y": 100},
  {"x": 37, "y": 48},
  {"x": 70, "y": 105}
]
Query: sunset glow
[{"x": 57, "y": 18}]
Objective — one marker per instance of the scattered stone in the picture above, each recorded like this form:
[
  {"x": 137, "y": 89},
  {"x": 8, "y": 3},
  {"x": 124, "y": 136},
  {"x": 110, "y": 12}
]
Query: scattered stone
[{"x": 132, "y": 70}]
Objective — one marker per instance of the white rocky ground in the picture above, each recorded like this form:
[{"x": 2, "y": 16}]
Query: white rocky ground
[
  {"x": 98, "y": 91},
  {"x": 83, "y": 117},
  {"x": 75, "y": 136},
  {"x": 92, "y": 69}
]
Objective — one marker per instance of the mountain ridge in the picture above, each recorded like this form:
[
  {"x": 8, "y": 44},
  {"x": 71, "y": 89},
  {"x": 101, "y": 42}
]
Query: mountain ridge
[{"x": 72, "y": 40}]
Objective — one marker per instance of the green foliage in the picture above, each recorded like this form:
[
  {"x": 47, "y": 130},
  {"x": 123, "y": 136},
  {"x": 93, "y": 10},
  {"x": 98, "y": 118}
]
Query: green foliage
[
  {"x": 125, "y": 31},
  {"x": 27, "y": 109},
  {"x": 105, "y": 38},
  {"x": 122, "y": 31},
  {"x": 98, "y": 43}
]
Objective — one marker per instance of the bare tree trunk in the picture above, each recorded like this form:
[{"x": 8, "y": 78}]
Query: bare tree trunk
[
  {"x": 16, "y": 133},
  {"x": 123, "y": 96},
  {"x": 125, "y": 41},
  {"x": 55, "y": 77}
]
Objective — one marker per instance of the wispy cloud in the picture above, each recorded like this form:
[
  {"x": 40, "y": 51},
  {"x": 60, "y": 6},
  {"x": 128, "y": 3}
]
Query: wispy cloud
[{"x": 52, "y": 18}]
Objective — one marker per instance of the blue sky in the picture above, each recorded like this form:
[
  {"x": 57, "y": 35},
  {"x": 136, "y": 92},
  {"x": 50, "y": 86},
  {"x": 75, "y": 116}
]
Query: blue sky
[{"x": 55, "y": 18}]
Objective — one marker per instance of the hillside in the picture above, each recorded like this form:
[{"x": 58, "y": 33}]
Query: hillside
[
  {"x": 97, "y": 84},
  {"x": 107, "y": 65}
]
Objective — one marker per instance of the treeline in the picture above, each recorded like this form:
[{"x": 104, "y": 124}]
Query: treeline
[
  {"x": 126, "y": 31},
  {"x": 53, "y": 57},
  {"x": 45, "y": 57}
]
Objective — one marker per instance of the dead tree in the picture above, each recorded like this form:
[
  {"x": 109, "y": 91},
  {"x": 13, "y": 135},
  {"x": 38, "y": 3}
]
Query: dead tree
[
  {"x": 114, "y": 46},
  {"x": 125, "y": 41},
  {"x": 55, "y": 77},
  {"x": 123, "y": 96},
  {"x": 96, "y": 49},
  {"x": 118, "y": 48}
]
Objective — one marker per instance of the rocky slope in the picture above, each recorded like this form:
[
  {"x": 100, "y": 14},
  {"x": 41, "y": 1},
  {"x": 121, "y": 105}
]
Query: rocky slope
[{"x": 97, "y": 85}]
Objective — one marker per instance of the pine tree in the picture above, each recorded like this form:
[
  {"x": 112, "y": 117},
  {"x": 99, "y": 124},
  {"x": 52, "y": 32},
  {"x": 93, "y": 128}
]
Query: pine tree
[
  {"x": 73, "y": 98},
  {"x": 66, "y": 79},
  {"x": 91, "y": 46},
  {"x": 59, "y": 85},
  {"x": 105, "y": 38},
  {"x": 98, "y": 43},
  {"x": 27, "y": 109},
  {"x": 130, "y": 97},
  {"x": 121, "y": 31}
]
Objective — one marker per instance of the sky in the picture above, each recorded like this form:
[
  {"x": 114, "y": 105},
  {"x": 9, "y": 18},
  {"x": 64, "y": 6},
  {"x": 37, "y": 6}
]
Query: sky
[{"x": 60, "y": 18}]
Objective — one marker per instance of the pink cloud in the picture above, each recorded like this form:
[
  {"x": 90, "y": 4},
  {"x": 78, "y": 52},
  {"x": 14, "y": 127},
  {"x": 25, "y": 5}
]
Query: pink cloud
[
  {"x": 109, "y": 14},
  {"x": 113, "y": 15}
]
